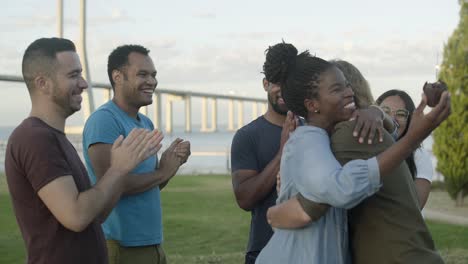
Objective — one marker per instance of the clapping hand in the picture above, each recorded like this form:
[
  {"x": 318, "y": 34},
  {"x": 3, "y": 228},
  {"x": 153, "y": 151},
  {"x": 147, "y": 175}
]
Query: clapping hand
[
  {"x": 140, "y": 144},
  {"x": 182, "y": 151}
]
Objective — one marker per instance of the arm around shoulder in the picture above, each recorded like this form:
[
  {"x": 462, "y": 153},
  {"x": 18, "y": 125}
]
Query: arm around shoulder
[{"x": 296, "y": 212}]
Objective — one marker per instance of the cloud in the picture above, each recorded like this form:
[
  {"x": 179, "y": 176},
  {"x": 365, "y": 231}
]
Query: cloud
[
  {"x": 396, "y": 57},
  {"x": 205, "y": 15},
  {"x": 15, "y": 24},
  {"x": 393, "y": 61},
  {"x": 234, "y": 60},
  {"x": 116, "y": 15},
  {"x": 161, "y": 49}
]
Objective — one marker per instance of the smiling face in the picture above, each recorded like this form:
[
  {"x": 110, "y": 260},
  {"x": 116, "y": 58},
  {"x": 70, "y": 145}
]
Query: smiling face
[
  {"x": 139, "y": 81},
  {"x": 335, "y": 100},
  {"x": 275, "y": 99},
  {"x": 68, "y": 83},
  {"x": 396, "y": 108}
]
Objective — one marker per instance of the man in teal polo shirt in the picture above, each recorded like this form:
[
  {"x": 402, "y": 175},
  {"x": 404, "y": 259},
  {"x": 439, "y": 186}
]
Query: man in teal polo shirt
[{"x": 134, "y": 228}]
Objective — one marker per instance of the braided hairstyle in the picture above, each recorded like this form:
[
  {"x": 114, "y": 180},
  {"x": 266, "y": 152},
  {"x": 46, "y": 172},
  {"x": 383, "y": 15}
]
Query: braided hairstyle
[
  {"x": 277, "y": 57},
  {"x": 298, "y": 75}
]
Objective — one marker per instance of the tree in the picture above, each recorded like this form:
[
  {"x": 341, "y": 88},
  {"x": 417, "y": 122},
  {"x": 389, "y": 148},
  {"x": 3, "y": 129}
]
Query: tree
[{"x": 451, "y": 138}]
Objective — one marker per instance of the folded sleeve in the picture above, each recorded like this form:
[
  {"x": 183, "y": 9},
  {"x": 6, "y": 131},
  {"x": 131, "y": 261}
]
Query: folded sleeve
[{"x": 313, "y": 210}]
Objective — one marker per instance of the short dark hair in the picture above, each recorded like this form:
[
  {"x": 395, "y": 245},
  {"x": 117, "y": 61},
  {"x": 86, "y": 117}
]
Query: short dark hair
[
  {"x": 119, "y": 58},
  {"x": 41, "y": 58},
  {"x": 298, "y": 75},
  {"x": 409, "y": 105}
]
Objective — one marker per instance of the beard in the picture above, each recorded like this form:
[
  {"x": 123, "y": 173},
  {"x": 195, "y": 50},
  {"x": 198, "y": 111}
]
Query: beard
[
  {"x": 280, "y": 109},
  {"x": 64, "y": 105},
  {"x": 63, "y": 101}
]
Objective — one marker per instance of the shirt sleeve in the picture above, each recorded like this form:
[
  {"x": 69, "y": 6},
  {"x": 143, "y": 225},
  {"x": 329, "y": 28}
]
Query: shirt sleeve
[
  {"x": 44, "y": 160},
  {"x": 423, "y": 162},
  {"x": 320, "y": 178},
  {"x": 101, "y": 127},
  {"x": 243, "y": 155}
]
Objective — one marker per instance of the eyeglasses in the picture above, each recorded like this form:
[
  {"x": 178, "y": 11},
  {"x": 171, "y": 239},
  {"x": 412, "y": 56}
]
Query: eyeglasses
[{"x": 399, "y": 114}]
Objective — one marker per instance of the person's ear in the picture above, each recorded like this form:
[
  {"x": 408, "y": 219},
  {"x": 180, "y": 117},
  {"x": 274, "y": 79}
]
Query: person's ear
[
  {"x": 43, "y": 84},
  {"x": 117, "y": 76},
  {"x": 266, "y": 84},
  {"x": 312, "y": 105}
]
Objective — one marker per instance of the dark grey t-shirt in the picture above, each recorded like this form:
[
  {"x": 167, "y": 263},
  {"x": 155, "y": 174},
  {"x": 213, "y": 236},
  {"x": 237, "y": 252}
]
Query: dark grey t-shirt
[{"x": 253, "y": 147}]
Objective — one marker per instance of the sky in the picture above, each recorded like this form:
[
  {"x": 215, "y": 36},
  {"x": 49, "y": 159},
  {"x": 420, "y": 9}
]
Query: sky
[{"x": 218, "y": 46}]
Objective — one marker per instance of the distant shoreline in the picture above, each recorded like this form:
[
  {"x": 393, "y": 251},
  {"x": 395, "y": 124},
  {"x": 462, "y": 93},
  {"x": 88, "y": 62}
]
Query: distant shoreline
[
  {"x": 210, "y": 151},
  {"x": 207, "y": 149}
]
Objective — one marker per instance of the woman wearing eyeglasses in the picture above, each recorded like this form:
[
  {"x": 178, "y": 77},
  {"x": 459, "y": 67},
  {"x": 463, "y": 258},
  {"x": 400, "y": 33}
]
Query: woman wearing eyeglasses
[
  {"x": 387, "y": 227},
  {"x": 398, "y": 104}
]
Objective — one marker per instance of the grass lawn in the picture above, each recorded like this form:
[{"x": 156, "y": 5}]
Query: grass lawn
[{"x": 203, "y": 224}]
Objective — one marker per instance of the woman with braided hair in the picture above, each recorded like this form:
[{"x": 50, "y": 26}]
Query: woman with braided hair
[
  {"x": 384, "y": 228},
  {"x": 317, "y": 91},
  {"x": 257, "y": 147}
]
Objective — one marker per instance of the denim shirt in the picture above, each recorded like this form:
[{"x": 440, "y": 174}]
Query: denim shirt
[{"x": 309, "y": 167}]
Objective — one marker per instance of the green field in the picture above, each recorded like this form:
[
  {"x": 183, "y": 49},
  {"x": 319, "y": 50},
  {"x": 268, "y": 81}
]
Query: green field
[{"x": 203, "y": 224}]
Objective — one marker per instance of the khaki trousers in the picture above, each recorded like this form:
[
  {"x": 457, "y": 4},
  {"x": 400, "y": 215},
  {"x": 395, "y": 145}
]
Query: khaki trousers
[{"x": 153, "y": 254}]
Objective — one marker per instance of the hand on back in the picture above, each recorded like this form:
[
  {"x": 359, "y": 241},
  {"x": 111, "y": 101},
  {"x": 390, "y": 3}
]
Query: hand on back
[{"x": 369, "y": 123}]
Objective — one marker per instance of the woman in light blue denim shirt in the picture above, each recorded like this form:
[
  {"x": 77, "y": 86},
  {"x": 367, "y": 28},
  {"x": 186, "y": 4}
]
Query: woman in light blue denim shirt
[{"x": 316, "y": 90}]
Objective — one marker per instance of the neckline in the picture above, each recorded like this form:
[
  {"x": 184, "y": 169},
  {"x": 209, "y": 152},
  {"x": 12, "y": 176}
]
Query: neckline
[
  {"x": 35, "y": 118},
  {"x": 138, "y": 119}
]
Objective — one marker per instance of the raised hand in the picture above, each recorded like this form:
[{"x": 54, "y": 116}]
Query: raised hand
[
  {"x": 423, "y": 124},
  {"x": 289, "y": 125},
  {"x": 183, "y": 151},
  {"x": 139, "y": 145},
  {"x": 170, "y": 159}
]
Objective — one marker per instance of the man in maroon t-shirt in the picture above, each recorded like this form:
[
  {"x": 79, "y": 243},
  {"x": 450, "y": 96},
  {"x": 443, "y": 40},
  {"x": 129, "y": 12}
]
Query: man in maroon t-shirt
[{"x": 56, "y": 209}]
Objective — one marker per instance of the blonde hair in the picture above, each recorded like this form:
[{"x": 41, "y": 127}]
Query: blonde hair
[{"x": 359, "y": 84}]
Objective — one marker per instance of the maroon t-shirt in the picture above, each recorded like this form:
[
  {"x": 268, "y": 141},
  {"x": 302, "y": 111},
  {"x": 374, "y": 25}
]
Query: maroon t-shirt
[{"x": 36, "y": 155}]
